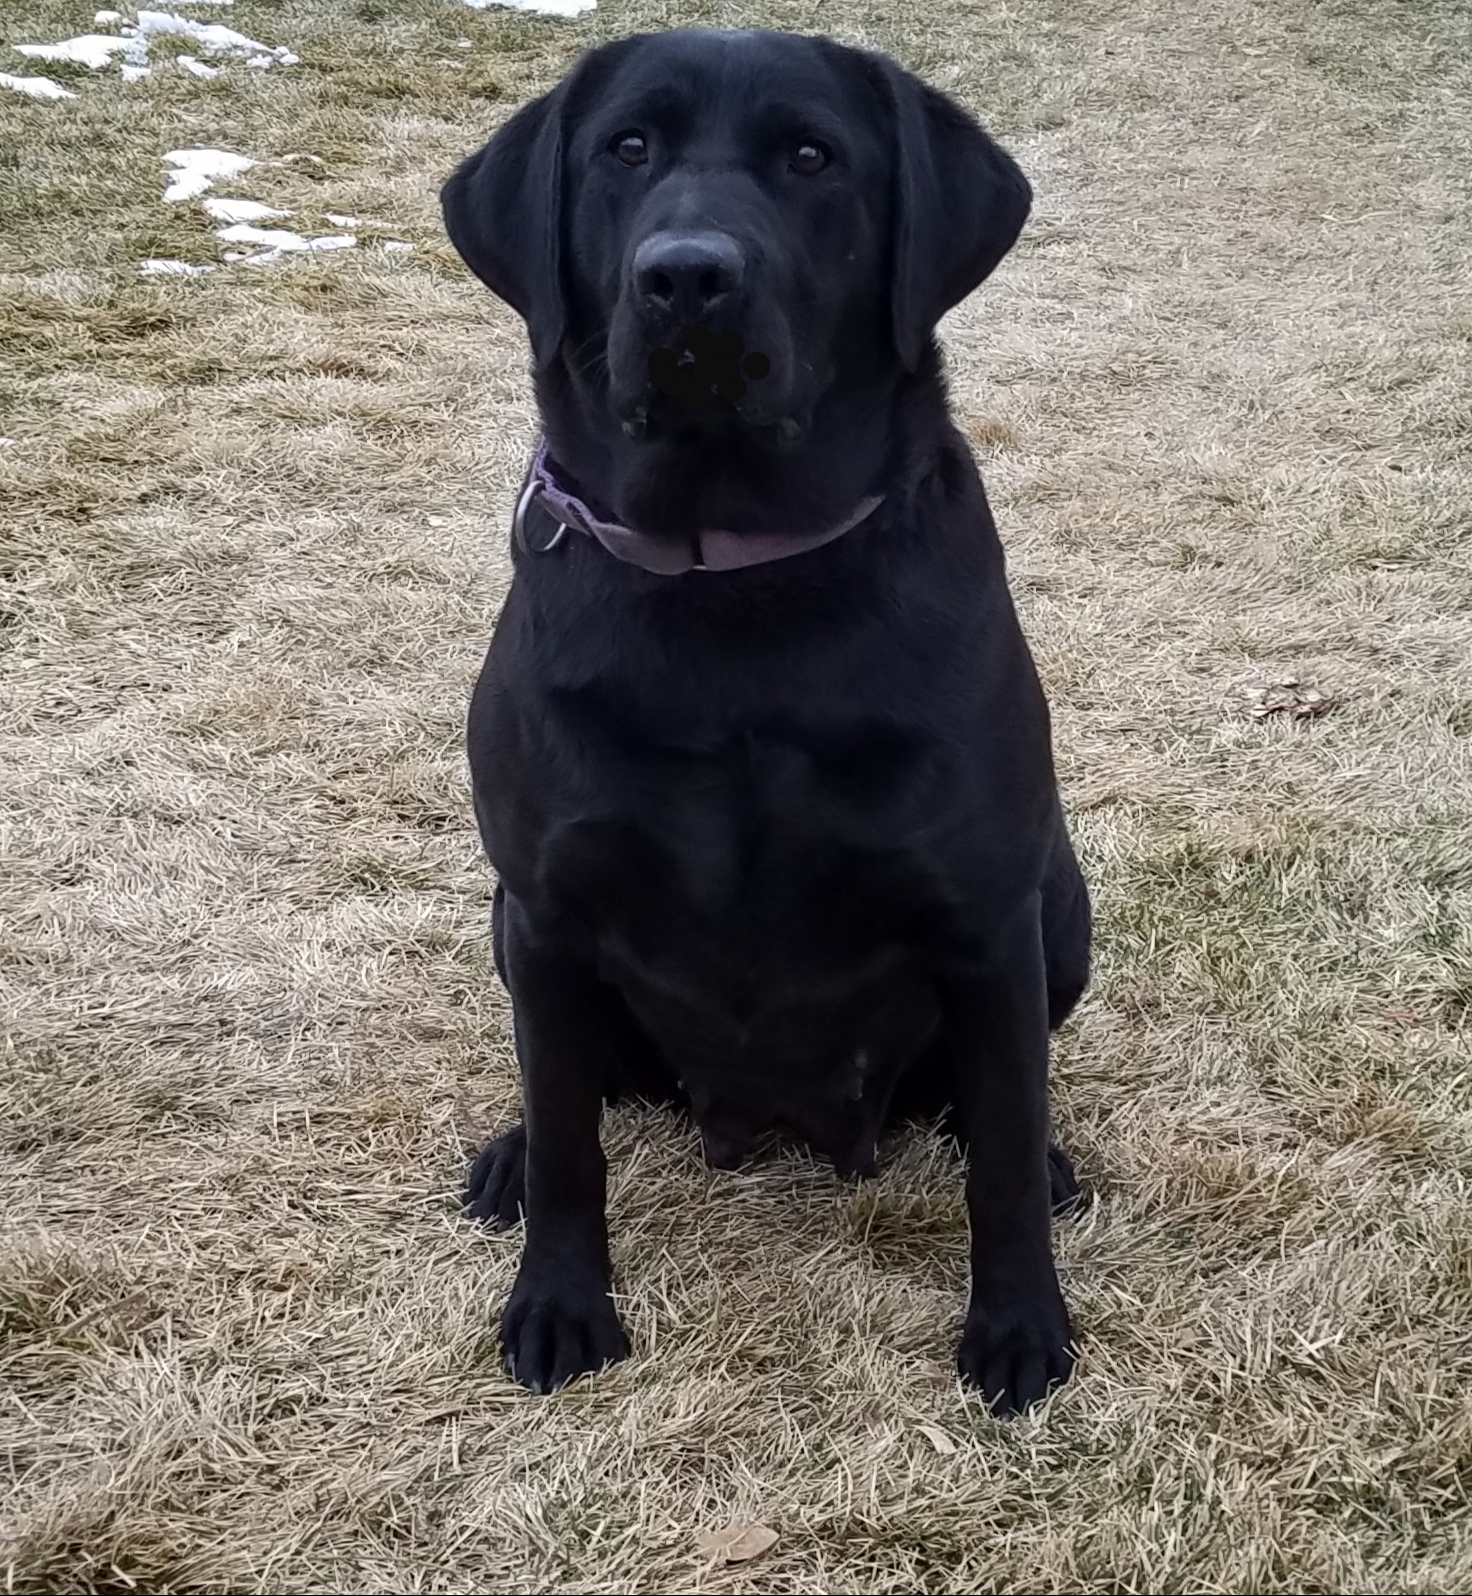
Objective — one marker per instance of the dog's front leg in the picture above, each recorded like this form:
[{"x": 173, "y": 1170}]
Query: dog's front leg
[
  {"x": 1017, "y": 1340},
  {"x": 560, "y": 1321}
]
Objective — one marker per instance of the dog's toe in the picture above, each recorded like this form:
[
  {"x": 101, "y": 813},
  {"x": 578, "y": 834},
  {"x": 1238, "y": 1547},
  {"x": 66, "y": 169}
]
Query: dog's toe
[
  {"x": 551, "y": 1334},
  {"x": 1016, "y": 1353},
  {"x": 495, "y": 1192}
]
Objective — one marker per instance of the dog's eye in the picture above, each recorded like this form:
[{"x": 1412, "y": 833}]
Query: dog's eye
[
  {"x": 630, "y": 149},
  {"x": 809, "y": 158}
]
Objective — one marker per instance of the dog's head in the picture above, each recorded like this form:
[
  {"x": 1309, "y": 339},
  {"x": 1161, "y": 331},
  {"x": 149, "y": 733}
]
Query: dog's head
[{"x": 722, "y": 242}]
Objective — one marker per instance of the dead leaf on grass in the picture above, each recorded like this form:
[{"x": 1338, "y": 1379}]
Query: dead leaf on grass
[
  {"x": 938, "y": 1439},
  {"x": 737, "y": 1543},
  {"x": 1288, "y": 696}
]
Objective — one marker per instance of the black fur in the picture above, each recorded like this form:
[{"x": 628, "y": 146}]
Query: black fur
[{"x": 780, "y": 844}]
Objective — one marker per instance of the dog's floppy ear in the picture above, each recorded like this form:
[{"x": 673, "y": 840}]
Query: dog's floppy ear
[
  {"x": 503, "y": 212},
  {"x": 960, "y": 202}
]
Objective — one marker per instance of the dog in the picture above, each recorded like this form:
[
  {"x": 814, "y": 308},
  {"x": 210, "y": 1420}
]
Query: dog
[{"x": 759, "y": 754}]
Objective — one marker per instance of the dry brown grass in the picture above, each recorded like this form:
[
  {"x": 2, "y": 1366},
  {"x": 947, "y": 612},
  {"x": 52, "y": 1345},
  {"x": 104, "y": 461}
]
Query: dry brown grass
[{"x": 251, "y": 548}]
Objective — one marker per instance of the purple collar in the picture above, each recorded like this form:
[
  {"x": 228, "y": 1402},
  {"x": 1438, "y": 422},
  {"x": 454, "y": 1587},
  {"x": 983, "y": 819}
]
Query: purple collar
[{"x": 705, "y": 551}]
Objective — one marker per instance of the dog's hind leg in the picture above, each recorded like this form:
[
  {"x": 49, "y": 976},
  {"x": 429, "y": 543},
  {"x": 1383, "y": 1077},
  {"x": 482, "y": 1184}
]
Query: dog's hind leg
[
  {"x": 495, "y": 1189},
  {"x": 927, "y": 1091},
  {"x": 1067, "y": 917},
  {"x": 1067, "y": 930}
]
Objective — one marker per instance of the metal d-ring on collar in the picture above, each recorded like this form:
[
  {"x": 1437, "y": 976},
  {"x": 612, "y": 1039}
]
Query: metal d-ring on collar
[{"x": 518, "y": 521}]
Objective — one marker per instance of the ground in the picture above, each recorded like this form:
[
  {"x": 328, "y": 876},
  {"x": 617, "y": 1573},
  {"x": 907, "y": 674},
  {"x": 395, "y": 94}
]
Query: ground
[{"x": 252, "y": 537}]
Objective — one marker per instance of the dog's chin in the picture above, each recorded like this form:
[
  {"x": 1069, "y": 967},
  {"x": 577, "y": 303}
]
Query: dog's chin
[{"x": 652, "y": 417}]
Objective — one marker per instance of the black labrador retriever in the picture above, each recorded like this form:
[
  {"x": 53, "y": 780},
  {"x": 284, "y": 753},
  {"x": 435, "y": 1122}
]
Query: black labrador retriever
[{"x": 759, "y": 753}]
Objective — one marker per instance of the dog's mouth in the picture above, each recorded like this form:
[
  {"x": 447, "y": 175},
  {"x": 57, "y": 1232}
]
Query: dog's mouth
[
  {"x": 680, "y": 403},
  {"x": 703, "y": 381},
  {"x": 699, "y": 385},
  {"x": 654, "y": 417},
  {"x": 702, "y": 365}
]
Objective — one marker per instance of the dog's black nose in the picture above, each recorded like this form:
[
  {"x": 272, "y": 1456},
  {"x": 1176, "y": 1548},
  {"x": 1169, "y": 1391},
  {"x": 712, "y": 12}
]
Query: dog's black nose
[{"x": 688, "y": 275}]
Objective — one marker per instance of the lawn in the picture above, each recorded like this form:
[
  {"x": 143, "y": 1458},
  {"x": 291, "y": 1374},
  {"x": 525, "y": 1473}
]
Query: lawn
[{"x": 252, "y": 542}]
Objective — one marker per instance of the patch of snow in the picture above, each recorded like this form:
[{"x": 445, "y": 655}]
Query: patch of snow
[
  {"x": 94, "y": 50},
  {"x": 547, "y": 8},
  {"x": 213, "y": 38},
  {"x": 185, "y": 186},
  {"x": 192, "y": 171},
  {"x": 132, "y": 73},
  {"x": 210, "y": 161},
  {"x": 240, "y": 210},
  {"x": 271, "y": 237},
  {"x": 342, "y": 221},
  {"x": 108, "y": 16},
  {"x": 396, "y": 245},
  {"x": 171, "y": 268},
  {"x": 5, "y": 442},
  {"x": 197, "y": 67},
  {"x": 280, "y": 239},
  {"x": 37, "y": 88}
]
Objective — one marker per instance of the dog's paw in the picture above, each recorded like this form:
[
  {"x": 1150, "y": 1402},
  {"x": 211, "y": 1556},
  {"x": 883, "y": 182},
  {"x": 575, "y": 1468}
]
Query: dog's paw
[
  {"x": 495, "y": 1192},
  {"x": 1066, "y": 1193},
  {"x": 1017, "y": 1350},
  {"x": 555, "y": 1330}
]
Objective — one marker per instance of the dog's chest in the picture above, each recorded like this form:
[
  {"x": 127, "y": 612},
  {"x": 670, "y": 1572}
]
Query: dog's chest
[
  {"x": 758, "y": 907},
  {"x": 762, "y": 845}
]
